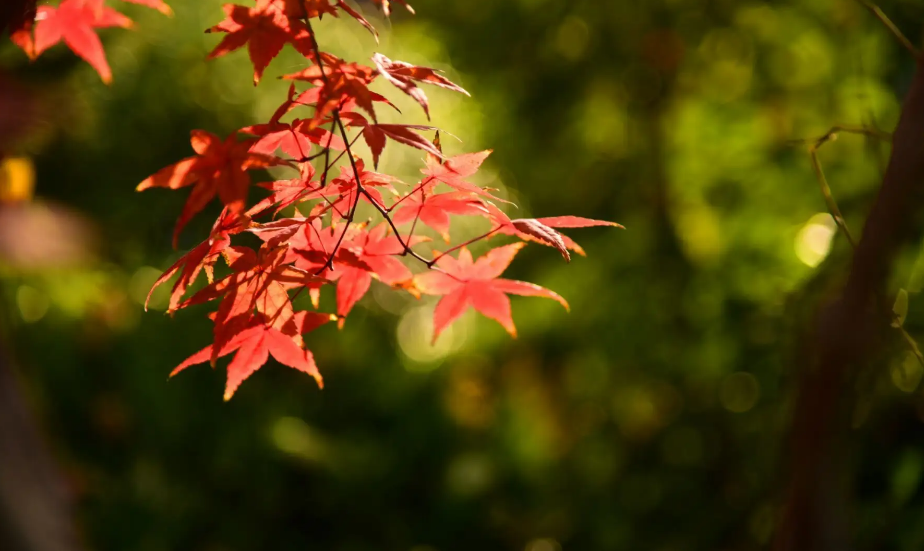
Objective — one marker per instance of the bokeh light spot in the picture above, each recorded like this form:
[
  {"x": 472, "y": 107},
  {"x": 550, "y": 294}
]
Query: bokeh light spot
[
  {"x": 32, "y": 303},
  {"x": 906, "y": 375},
  {"x": 543, "y": 544},
  {"x": 415, "y": 331},
  {"x": 294, "y": 437},
  {"x": 739, "y": 392},
  {"x": 813, "y": 242},
  {"x": 17, "y": 179},
  {"x": 140, "y": 285},
  {"x": 470, "y": 474},
  {"x": 572, "y": 38}
]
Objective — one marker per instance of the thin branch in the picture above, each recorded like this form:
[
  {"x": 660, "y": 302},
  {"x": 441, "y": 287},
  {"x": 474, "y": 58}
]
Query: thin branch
[
  {"x": 896, "y": 32},
  {"x": 329, "y": 263},
  {"x": 830, "y": 136},
  {"x": 423, "y": 199},
  {"x": 829, "y": 198},
  {"x": 360, "y": 189},
  {"x": 421, "y": 185},
  {"x": 359, "y": 186},
  {"x": 460, "y": 245}
]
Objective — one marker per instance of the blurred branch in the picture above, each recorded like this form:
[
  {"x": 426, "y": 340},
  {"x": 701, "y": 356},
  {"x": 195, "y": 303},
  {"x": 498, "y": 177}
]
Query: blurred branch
[
  {"x": 896, "y": 32},
  {"x": 835, "y": 211},
  {"x": 815, "y": 517}
]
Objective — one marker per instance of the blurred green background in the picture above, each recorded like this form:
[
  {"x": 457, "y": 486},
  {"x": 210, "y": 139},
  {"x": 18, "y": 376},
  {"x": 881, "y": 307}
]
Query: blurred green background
[{"x": 651, "y": 417}]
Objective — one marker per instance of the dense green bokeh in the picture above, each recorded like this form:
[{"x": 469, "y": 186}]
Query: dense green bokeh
[{"x": 651, "y": 417}]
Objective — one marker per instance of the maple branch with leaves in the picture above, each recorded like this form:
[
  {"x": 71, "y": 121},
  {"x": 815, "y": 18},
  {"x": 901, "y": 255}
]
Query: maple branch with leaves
[{"x": 320, "y": 243}]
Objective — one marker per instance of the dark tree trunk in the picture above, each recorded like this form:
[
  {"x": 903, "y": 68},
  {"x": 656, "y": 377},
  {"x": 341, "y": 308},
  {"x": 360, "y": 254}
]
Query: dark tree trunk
[
  {"x": 817, "y": 508},
  {"x": 35, "y": 509}
]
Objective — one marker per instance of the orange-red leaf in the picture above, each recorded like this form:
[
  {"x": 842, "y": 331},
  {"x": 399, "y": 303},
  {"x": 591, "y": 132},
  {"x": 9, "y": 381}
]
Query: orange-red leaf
[
  {"x": 254, "y": 345},
  {"x": 375, "y": 135},
  {"x": 220, "y": 168},
  {"x": 158, "y": 5},
  {"x": 434, "y": 210},
  {"x": 201, "y": 257},
  {"x": 543, "y": 233},
  {"x": 540, "y": 230},
  {"x": 73, "y": 22},
  {"x": 464, "y": 283},
  {"x": 386, "y": 8},
  {"x": 264, "y": 29},
  {"x": 402, "y": 75}
]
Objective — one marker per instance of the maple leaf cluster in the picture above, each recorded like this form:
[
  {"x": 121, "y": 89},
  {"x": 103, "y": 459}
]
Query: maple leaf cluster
[
  {"x": 74, "y": 22},
  {"x": 322, "y": 243}
]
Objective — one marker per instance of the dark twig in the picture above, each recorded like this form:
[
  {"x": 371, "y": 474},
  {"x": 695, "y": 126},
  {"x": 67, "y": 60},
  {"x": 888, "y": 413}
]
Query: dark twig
[
  {"x": 895, "y": 31},
  {"x": 830, "y": 136},
  {"x": 360, "y": 189}
]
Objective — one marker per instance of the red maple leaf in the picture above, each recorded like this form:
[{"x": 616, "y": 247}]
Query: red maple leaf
[
  {"x": 255, "y": 343},
  {"x": 434, "y": 210},
  {"x": 315, "y": 248},
  {"x": 261, "y": 281},
  {"x": 402, "y": 75},
  {"x": 203, "y": 256},
  {"x": 220, "y": 168},
  {"x": 454, "y": 170},
  {"x": 386, "y": 8},
  {"x": 376, "y": 134},
  {"x": 294, "y": 138},
  {"x": 541, "y": 230},
  {"x": 158, "y": 5},
  {"x": 337, "y": 82},
  {"x": 73, "y": 21},
  {"x": 340, "y": 195},
  {"x": 464, "y": 283},
  {"x": 287, "y": 192},
  {"x": 375, "y": 252},
  {"x": 265, "y": 29},
  {"x": 315, "y": 8}
]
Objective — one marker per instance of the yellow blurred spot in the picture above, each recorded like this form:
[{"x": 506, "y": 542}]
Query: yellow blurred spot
[
  {"x": 543, "y": 544},
  {"x": 603, "y": 120},
  {"x": 17, "y": 179},
  {"x": 806, "y": 60},
  {"x": 140, "y": 284},
  {"x": 729, "y": 58},
  {"x": 739, "y": 392},
  {"x": 294, "y": 437},
  {"x": 470, "y": 474},
  {"x": 32, "y": 303},
  {"x": 572, "y": 38},
  {"x": 701, "y": 235},
  {"x": 414, "y": 332},
  {"x": 642, "y": 411},
  {"x": 813, "y": 242},
  {"x": 761, "y": 523},
  {"x": 468, "y": 400},
  {"x": 907, "y": 375}
]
